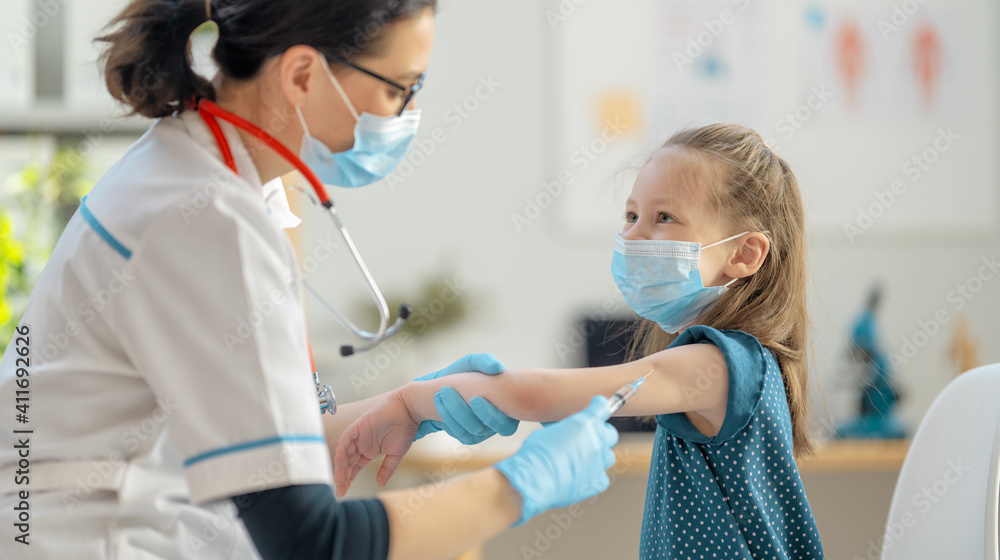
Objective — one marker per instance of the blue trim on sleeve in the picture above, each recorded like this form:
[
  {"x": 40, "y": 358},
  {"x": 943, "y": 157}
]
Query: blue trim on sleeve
[
  {"x": 309, "y": 438},
  {"x": 99, "y": 229}
]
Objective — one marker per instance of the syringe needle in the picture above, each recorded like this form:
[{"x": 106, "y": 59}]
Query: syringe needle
[{"x": 623, "y": 395}]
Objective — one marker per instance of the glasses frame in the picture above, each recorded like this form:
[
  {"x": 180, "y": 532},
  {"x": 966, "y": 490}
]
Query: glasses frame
[{"x": 410, "y": 91}]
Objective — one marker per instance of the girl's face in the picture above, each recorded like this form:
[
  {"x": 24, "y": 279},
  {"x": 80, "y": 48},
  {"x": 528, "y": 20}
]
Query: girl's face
[{"x": 670, "y": 201}]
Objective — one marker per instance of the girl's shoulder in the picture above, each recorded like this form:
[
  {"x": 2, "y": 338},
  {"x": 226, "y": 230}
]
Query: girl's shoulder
[
  {"x": 749, "y": 365},
  {"x": 744, "y": 354}
]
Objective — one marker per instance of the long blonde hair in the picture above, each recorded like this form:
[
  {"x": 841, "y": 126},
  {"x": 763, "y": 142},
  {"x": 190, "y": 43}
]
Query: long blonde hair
[{"x": 757, "y": 192}]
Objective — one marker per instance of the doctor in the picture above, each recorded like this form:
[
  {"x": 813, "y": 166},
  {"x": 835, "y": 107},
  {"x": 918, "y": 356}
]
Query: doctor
[{"x": 173, "y": 413}]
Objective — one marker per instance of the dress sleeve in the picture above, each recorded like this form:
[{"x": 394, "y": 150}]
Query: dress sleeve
[
  {"x": 211, "y": 318},
  {"x": 746, "y": 362},
  {"x": 307, "y": 523}
]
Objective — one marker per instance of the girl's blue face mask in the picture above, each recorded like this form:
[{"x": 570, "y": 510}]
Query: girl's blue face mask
[
  {"x": 661, "y": 280},
  {"x": 380, "y": 143}
]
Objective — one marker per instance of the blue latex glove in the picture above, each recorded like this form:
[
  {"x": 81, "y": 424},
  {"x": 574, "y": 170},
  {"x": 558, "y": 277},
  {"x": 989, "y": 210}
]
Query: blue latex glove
[
  {"x": 564, "y": 462},
  {"x": 472, "y": 422}
]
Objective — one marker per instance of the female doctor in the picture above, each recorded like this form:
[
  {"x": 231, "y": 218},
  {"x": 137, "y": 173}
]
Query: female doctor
[{"x": 173, "y": 409}]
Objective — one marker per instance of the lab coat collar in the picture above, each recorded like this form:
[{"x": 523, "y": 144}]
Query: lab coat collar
[{"x": 273, "y": 192}]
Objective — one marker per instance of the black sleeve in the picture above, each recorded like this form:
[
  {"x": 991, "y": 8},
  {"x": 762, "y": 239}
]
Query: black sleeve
[{"x": 307, "y": 523}]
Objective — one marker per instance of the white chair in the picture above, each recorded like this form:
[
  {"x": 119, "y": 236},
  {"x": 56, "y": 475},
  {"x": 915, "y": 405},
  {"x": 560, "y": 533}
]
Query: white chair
[{"x": 946, "y": 500}]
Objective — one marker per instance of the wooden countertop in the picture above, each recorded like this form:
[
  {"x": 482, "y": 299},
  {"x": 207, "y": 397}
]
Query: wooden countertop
[{"x": 634, "y": 452}]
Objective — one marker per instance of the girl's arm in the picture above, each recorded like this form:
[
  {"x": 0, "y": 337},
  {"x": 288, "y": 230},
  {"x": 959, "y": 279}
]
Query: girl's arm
[
  {"x": 691, "y": 379},
  {"x": 335, "y": 424}
]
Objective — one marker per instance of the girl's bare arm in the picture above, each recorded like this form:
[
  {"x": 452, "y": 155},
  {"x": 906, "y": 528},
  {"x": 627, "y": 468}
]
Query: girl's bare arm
[{"x": 691, "y": 379}]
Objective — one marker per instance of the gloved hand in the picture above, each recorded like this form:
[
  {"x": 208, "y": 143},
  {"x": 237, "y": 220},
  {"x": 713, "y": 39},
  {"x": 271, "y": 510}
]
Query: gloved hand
[
  {"x": 473, "y": 422},
  {"x": 564, "y": 462}
]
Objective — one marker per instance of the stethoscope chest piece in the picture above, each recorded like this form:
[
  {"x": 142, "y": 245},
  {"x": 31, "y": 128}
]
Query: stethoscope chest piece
[{"x": 327, "y": 400}]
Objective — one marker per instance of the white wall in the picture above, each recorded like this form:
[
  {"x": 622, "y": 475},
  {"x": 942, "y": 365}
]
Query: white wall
[
  {"x": 529, "y": 289},
  {"x": 454, "y": 214}
]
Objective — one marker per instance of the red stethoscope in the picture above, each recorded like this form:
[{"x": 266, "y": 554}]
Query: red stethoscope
[{"x": 210, "y": 112}]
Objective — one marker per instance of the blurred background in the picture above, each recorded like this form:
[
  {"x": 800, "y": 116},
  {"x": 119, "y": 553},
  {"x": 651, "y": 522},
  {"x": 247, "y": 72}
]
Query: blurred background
[{"x": 499, "y": 226}]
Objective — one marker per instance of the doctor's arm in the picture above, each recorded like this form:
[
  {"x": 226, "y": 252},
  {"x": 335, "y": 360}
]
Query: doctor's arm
[
  {"x": 562, "y": 464},
  {"x": 307, "y": 523}
]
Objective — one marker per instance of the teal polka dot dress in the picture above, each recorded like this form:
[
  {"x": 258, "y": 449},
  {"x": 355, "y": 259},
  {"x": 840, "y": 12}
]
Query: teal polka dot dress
[{"x": 738, "y": 494}]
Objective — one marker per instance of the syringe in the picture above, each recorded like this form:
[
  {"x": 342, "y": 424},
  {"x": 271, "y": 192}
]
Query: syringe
[{"x": 626, "y": 393}]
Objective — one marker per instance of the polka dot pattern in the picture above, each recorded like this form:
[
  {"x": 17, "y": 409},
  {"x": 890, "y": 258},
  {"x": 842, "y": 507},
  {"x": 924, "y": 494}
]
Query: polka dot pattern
[{"x": 738, "y": 498}]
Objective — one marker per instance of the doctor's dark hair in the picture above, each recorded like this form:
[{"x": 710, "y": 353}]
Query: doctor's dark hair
[
  {"x": 751, "y": 188},
  {"x": 147, "y": 60}
]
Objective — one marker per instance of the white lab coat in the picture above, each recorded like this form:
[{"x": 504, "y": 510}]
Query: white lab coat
[{"x": 169, "y": 362}]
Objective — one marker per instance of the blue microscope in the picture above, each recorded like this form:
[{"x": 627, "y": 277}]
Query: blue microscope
[{"x": 877, "y": 411}]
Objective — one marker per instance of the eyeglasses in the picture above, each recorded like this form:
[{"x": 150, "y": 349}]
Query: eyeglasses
[{"x": 409, "y": 91}]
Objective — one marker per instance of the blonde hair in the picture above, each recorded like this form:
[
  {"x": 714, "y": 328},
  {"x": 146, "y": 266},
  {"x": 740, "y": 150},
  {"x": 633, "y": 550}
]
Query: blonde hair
[{"x": 756, "y": 191}]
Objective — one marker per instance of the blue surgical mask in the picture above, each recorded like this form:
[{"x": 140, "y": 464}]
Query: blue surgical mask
[
  {"x": 380, "y": 143},
  {"x": 661, "y": 280}
]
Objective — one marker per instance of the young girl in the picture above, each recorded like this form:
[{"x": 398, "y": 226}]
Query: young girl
[{"x": 712, "y": 255}]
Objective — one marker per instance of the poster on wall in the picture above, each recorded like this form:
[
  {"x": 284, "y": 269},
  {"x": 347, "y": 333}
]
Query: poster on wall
[
  {"x": 886, "y": 113},
  {"x": 710, "y": 63},
  {"x": 927, "y": 60},
  {"x": 671, "y": 64},
  {"x": 888, "y": 62},
  {"x": 600, "y": 105},
  {"x": 907, "y": 116}
]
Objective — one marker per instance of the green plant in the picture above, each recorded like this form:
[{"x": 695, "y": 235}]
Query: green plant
[
  {"x": 440, "y": 304},
  {"x": 37, "y": 204},
  {"x": 11, "y": 271}
]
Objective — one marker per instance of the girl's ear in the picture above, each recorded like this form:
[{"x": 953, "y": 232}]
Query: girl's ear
[{"x": 749, "y": 256}]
